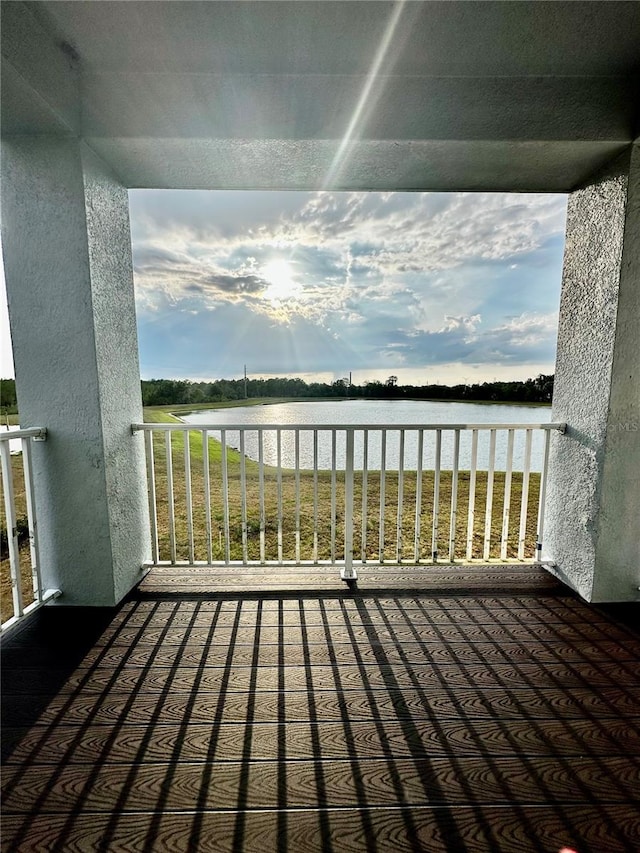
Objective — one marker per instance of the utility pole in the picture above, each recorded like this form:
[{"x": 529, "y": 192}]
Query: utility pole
[{"x": 245, "y": 382}]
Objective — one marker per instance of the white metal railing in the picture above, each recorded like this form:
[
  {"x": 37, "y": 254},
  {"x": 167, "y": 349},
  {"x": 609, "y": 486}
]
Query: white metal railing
[
  {"x": 22, "y": 586},
  {"x": 311, "y": 495}
]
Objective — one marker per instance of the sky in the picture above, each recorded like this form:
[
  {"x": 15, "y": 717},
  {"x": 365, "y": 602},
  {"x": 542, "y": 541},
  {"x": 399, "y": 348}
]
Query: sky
[{"x": 429, "y": 287}]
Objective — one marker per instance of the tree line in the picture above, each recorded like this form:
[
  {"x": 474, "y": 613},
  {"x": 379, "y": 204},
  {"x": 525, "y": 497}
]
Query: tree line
[
  {"x": 165, "y": 392},
  {"x": 168, "y": 392}
]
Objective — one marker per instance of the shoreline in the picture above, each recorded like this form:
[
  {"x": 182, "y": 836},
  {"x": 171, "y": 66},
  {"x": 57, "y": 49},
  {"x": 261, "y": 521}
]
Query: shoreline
[{"x": 189, "y": 409}]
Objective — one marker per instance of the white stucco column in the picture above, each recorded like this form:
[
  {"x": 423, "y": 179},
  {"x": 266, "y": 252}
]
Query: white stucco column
[
  {"x": 67, "y": 256},
  {"x": 593, "y": 509}
]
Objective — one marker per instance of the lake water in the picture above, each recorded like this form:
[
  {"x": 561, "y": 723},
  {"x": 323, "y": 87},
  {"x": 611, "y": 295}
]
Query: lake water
[{"x": 386, "y": 413}]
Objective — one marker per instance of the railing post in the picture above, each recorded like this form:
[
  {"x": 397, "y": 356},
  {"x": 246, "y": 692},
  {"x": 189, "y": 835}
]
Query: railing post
[
  {"x": 171, "y": 498},
  {"x": 12, "y": 528},
  {"x": 454, "y": 496},
  {"x": 542, "y": 496},
  {"x": 348, "y": 573},
  {"x": 151, "y": 485},
  {"x": 31, "y": 516},
  {"x": 263, "y": 516},
  {"x": 189, "y": 495},
  {"x": 225, "y": 497},
  {"x": 206, "y": 475},
  {"x": 436, "y": 496}
]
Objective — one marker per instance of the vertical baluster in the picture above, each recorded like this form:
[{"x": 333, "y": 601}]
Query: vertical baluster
[
  {"x": 297, "y": 488},
  {"x": 524, "y": 502},
  {"x": 12, "y": 529},
  {"x": 170, "y": 499},
  {"x": 31, "y": 516},
  {"x": 416, "y": 539},
  {"x": 207, "y": 493},
  {"x": 315, "y": 496},
  {"x": 348, "y": 573},
  {"x": 489, "y": 506},
  {"x": 243, "y": 499},
  {"x": 189, "y": 496},
  {"x": 383, "y": 465},
  {"x": 472, "y": 493},
  {"x": 365, "y": 478},
  {"x": 543, "y": 494},
  {"x": 261, "y": 490},
  {"x": 454, "y": 496},
  {"x": 153, "y": 503},
  {"x": 507, "y": 497},
  {"x": 279, "y": 479},
  {"x": 225, "y": 497},
  {"x": 400, "y": 498},
  {"x": 333, "y": 496},
  {"x": 436, "y": 496}
]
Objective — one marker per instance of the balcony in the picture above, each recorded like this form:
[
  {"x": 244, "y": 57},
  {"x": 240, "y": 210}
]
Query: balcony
[
  {"x": 431, "y": 707},
  {"x": 258, "y": 700},
  {"x": 501, "y": 715}
]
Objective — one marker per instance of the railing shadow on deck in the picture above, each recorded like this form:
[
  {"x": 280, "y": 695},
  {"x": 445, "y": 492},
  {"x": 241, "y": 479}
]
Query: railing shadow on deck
[{"x": 329, "y": 721}]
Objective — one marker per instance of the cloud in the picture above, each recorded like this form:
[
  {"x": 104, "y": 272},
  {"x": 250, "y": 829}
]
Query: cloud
[
  {"x": 452, "y": 324},
  {"x": 529, "y": 330},
  {"x": 419, "y": 277},
  {"x": 236, "y": 283},
  {"x": 529, "y": 338}
]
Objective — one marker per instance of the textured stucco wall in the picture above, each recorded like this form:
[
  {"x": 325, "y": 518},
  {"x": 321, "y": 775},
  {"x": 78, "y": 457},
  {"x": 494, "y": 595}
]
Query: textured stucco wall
[
  {"x": 617, "y": 575},
  {"x": 68, "y": 272},
  {"x": 109, "y": 242},
  {"x": 595, "y": 388}
]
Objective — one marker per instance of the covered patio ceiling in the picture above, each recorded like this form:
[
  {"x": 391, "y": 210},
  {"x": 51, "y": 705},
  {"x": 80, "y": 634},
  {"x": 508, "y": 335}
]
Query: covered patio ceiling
[{"x": 349, "y": 95}]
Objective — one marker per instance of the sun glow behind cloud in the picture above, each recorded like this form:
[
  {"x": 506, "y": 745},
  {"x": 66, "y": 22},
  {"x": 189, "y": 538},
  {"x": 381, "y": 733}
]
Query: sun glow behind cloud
[
  {"x": 331, "y": 282},
  {"x": 280, "y": 276}
]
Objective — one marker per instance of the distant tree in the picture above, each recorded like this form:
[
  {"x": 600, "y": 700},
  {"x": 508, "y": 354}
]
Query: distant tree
[
  {"x": 340, "y": 387},
  {"x": 544, "y": 387},
  {"x": 374, "y": 388},
  {"x": 8, "y": 398}
]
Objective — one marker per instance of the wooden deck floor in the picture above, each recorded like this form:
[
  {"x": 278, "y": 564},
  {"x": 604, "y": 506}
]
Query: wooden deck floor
[{"x": 488, "y": 717}]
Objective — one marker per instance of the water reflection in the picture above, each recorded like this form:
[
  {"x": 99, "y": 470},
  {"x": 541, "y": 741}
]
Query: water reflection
[{"x": 386, "y": 413}]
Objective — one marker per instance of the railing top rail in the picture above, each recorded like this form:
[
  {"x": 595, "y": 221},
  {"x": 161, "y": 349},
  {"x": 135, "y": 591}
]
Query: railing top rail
[
  {"x": 182, "y": 427},
  {"x": 31, "y": 432}
]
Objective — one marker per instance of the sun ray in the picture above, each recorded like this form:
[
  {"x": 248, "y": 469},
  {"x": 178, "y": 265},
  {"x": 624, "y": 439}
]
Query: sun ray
[{"x": 365, "y": 99}]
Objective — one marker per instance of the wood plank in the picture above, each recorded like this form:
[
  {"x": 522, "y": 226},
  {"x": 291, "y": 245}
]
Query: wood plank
[
  {"x": 358, "y": 704},
  {"x": 466, "y": 577},
  {"x": 542, "y": 676},
  {"x": 356, "y": 625},
  {"x": 590, "y": 829},
  {"x": 326, "y": 739},
  {"x": 373, "y": 783},
  {"x": 384, "y": 646}
]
